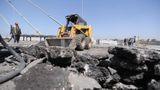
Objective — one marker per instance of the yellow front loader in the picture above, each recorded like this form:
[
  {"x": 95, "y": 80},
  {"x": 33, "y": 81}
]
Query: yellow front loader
[{"x": 76, "y": 34}]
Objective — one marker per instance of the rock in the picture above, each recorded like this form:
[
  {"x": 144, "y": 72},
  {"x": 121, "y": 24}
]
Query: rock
[
  {"x": 136, "y": 66},
  {"x": 120, "y": 64},
  {"x": 134, "y": 79},
  {"x": 61, "y": 56},
  {"x": 97, "y": 53},
  {"x": 43, "y": 77},
  {"x": 103, "y": 76},
  {"x": 157, "y": 69},
  {"x": 80, "y": 82},
  {"x": 86, "y": 59},
  {"x": 153, "y": 55},
  {"x": 113, "y": 78},
  {"x": 10, "y": 85},
  {"x": 135, "y": 55},
  {"x": 104, "y": 63},
  {"x": 58, "y": 56},
  {"x": 36, "y": 51},
  {"x": 133, "y": 58},
  {"x": 4, "y": 53},
  {"x": 79, "y": 66},
  {"x": 112, "y": 71},
  {"x": 47, "y": 77},
  {"x": 124, "y": 53},
  {"x": 125, "y": 68},
  {"x": 153, "y": 85},
  {"x": 101, "y": 57},
  {"x": 131, "y": 55},
  {"x": 121, "y": 86},
  {"x": 56, "y": 52}
]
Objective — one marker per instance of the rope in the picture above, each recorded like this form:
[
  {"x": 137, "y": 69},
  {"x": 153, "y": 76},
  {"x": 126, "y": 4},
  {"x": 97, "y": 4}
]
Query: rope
[
  {"x": 35, "y": 5},
  {"x": 28, "y": 22}
]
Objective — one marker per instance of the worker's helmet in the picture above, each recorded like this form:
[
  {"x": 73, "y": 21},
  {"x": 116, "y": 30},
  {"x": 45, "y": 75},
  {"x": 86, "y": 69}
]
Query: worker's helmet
[{"x": 16, "y": 23}]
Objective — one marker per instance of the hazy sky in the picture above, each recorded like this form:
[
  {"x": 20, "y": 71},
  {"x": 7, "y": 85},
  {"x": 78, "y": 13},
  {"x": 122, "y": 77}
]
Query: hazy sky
[{"x": 109, "y": 18}]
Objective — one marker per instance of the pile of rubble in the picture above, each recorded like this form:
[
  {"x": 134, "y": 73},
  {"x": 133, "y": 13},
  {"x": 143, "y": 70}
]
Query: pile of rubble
[
  {"x": 138, "y": 67},
  {"x": 123, "y": 68}
]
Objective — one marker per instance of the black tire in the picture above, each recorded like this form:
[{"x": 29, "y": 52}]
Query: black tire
[
  {"x": 80, "y": 42},
  {"x": 87, "y": 43}
]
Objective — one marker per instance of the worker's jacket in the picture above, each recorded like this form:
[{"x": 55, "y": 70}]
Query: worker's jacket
[{"x": 15, "y": 31}]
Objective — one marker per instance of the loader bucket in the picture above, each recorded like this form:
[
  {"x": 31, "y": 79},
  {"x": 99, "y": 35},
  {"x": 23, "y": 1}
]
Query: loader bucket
[{"x": 61, "y": 42}]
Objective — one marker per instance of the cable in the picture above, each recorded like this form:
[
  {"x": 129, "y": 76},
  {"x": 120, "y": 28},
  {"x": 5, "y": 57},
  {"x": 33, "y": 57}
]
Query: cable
[
  {"x": 5, "y": 20},
  {"x": 35, "y": 5},
  {"x": 28, "y": 22},
  {"x": 82, "y": 8},
  {"x": 12, "y": 74}
]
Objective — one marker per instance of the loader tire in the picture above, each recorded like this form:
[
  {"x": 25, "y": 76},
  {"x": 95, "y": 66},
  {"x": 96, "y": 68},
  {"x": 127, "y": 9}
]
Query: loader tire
[
  {"x": 80, "y": 42},
  {"x": 88, "y": 43}
]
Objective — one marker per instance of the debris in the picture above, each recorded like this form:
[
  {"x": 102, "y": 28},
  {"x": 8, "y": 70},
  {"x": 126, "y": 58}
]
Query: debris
[
  {"x": 58, "y": 56},
  {"x": 153, "y": 85},
  {"x": 81, "y": 82},
  {"x": 135, "y": 66},
  {"x": 10, "y": 85},
  {"x": 118, "y": 68},
  {"x": 157, "y": 69},
  {"x": 11, "y": 74},
  {"x": 121, "y": 86},
  {"x": 43, "y": 77},
  {"x": 32, "y": 64}
]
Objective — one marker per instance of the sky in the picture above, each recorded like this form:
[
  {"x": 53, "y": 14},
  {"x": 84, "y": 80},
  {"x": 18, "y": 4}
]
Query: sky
[{"x": 109, "y": 18}]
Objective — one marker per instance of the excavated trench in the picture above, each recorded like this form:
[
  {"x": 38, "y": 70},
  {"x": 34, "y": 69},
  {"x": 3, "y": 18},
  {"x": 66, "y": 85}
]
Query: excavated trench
[{"x": 120, "y": 68}]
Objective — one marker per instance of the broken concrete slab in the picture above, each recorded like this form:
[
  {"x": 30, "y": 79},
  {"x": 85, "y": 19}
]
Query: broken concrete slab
[
  {"x": 132, "y": 55},
  {"x": 81, "y": 82},
  {"x": 153, "y": 85},
  {"x": 10, "y": 85},
  {"x": 134, "y": 68},
  {"x": 42, "y": 77},
  {"x": 45, "y": 76},
  {"x": 157, "y": 69},
  {"x": 58, "y": 56},
  {"x": 121, "y": 86}
]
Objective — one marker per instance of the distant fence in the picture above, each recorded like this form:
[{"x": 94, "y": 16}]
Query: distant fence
[{"x": 26, "y": 37}]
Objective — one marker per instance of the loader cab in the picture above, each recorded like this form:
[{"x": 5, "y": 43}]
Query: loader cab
[{"x": 74, "y": 19}]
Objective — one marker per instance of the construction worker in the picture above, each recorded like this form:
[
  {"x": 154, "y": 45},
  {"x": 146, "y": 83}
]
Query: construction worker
[
  {"x": 125, "y": 41},
  {"x": 18, "y": 32},
  {"x": 130, "y": 41},
  {"x": 135, "y": 40},
  {"x": 13, "y": 33}
]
